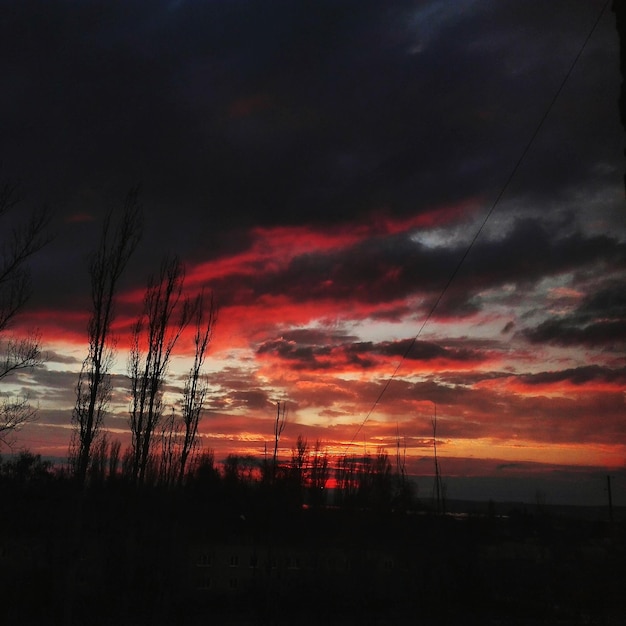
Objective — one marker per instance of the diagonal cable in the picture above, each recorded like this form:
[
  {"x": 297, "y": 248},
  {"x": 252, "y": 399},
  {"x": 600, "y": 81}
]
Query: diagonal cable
[{"x": 464, "y": 256}]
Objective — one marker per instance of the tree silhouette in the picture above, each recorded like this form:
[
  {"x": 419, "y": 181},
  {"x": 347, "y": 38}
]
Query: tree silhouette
[
  {"x": 279, "y": 426},
  {"x": 93, "y": 390},
  {"x": 195, "y": 386},
  {"x": 179, "y": 433},
  {"x": 27, "y": 467},
  {"x": 20, "y": 241},
  {"x": 166, "y": 314},
  {"x": 319, "y": 474},
  {"x": 298, "y": 472},
  {"x": 439, "y": 487}
]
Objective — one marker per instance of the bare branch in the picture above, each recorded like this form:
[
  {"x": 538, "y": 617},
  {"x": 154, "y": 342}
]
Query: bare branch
[
  {"x": 21, "y": 354},
  {"x": 279, "y": 426},
  {"x": 196, "y": 387},
  {"x": 166, "y": 314},
  {"x": 20, "y": 241},
  {"x": 93, "y": 390},
  {"x": 14, "y": 413}
]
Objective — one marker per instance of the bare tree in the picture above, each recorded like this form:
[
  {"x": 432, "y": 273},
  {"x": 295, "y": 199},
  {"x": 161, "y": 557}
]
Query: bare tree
[
  {"x": 93, "y": 390},
  {"x": 203, "y": 468},
  {"x": 196, "y": 387},
  {"x": 320, "y": 474},
  {"x": 165, "y": 316},
  {"x": 169, "y": 459},
  {"x": 382, "y": 481},
  {"x": 404, "y": 487},
  {"x": 14, "y": 412},
  {"x": 98, "y": 460},
  {"x": 21, "y": 240},
  {"x": 346, "y": 477},
  {"x": 114, "y": 458},
  {"x": 279, "y": 426},
  {"x": 300, "y": 460},
  {"x": 298, "y": 471},
  {"x": 178, "y": 434},
  {"x": 439, "y": 487},
  {"x": 20, "y": 354}
]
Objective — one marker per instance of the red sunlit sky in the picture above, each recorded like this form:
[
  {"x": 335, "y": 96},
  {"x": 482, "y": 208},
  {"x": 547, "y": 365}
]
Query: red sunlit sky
[{"x": 323, "y": 167}]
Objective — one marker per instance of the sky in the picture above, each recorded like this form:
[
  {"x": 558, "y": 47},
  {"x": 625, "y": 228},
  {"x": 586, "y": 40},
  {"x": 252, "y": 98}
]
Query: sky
[{"x": 392, "y": 210}]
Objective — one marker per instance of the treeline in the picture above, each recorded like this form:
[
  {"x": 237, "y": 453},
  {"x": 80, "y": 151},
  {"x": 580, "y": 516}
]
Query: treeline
[
  {"x": 110, "y": 550},
  {"x": 311, "y": 477}
]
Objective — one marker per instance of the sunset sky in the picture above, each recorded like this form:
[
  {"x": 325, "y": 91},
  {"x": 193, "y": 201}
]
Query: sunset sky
[{"x": 323, "y": 167}]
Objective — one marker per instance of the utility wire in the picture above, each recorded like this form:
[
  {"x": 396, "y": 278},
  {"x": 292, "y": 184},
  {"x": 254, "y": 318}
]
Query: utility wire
[{"x": 505, "y": 186}]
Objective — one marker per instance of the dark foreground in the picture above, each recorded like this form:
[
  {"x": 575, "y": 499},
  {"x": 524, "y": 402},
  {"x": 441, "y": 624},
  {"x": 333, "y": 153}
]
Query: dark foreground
[{"x": 118, "y": 556}]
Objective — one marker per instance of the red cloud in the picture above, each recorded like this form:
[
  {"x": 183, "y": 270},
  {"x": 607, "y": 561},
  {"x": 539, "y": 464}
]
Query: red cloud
[{"x": 292, "y": 304}]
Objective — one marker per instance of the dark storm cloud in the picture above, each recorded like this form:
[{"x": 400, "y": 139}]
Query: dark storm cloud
[
  {"x": 609, "y": 302},
  {"x": 44, "y": 387},
  {"x": 55, "y": 357},
  {"x": 280, "y": 112},
  {"x": 600, "y": 320},
  {"x": 58, "y": 388},
  {"x": 253, "y": 399},
  {"x": 234, "y": 388},
  {"x": 387, "y": 269},
  {"x": 302, "y": 356},
  {"x": 427, "y": 351},
  {"x": 578, "y": 376},
  {"x": 309, "y": 336},
  {"x": 239, "y": 114},
  {"x": 565, "y": 333},
  {"x": 532, "y": 250},
  {"x": 362, "y": 354}
]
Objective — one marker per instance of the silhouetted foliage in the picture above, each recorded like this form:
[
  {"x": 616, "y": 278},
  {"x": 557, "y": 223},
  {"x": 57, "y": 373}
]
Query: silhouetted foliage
[
  {"x": 93, "y": 390},
  {"x": 166, "y": 314},
  {"x": 27, "y": 467},
  {"x": 20, "y": 239},
  {"x": 99, "y": 461},
  {"x": 114, "y": 458},
  {"x": 297, "y": 473},
  {"x": 196, "y": 386},
  {"x": 346, "y": 481},
  {"x": 179, "y": 432},
  {"x": 279, "y": 426},
  {"x": 319, "y": 475},
  {"x": 203, "y": 472},
  {"x": 375, "y": 485},
  {"x": 241, "y": 470}
]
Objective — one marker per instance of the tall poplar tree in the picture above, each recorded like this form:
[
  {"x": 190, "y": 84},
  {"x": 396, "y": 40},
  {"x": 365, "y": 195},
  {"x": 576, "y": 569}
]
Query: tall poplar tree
[
  {"x": 195, "y": 389},
  {"x": 166, "y": 314},
  {"x": 93, "y": 390}
]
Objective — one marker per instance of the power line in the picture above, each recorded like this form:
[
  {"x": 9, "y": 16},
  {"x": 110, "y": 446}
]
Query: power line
[{"x": 484, "y": 222}]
